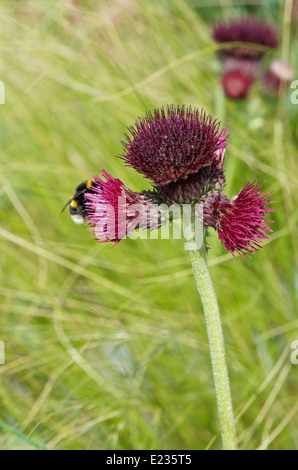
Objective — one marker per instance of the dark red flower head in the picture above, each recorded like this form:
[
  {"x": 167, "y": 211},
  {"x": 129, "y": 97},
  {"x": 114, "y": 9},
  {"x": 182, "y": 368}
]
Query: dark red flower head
[
  {"x": 236, "y": 84},
  {"x": 250, "y": 29},
  {"x": 239, "y": 221},
  {"x": 279, "y": 75},
  {"x": 112, "y": 209},
  {"x": 173, "y": 144},
  {"x": 174, "y": 148}
]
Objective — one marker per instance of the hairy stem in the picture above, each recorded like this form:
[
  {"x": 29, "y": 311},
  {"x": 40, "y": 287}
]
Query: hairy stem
[{"x": 215, "y": 335}]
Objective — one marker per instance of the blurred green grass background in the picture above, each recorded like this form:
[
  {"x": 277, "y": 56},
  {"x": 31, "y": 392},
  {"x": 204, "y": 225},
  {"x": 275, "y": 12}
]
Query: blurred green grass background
[{"x": 107, "y": 348}]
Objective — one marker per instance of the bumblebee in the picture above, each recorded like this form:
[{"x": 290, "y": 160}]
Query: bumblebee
[{"x": 77, "y": 202}]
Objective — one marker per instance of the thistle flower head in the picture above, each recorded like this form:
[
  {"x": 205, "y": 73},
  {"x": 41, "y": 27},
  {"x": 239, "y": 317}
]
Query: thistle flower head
[
  {"x": 236, "y": 84},
  {"x": 172, "y": 147},
  {"x": 111, "y": 208},
  {"x": 280, "y": 74},
  {"x": 240, "y": 222},
  {"x": 249, "y": 29},
  {"x": 173, "y": 144}
]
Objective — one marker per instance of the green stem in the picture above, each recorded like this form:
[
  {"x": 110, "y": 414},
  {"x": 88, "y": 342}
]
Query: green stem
[{"x": 216, "y": 340}]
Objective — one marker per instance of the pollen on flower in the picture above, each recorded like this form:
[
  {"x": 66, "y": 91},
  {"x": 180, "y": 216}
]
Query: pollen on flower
[{"x": 240, "y": 222}]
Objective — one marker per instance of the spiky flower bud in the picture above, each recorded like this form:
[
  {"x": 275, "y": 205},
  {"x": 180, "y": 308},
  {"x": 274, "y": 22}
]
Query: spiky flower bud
[
  {"x": 180, "y": 150},
  {"x": 240, "y": 222}
]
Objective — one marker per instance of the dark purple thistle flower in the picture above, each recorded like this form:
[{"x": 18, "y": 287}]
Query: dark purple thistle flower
[
  {"x": 112, "y": 209},
  {"x": 175, "y": 148},
  {"x": 249, "y": 29},
  {"x": 239, "y": 221},
  {"x": 236, "y": 84}
]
